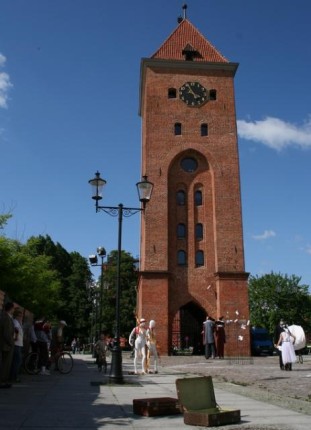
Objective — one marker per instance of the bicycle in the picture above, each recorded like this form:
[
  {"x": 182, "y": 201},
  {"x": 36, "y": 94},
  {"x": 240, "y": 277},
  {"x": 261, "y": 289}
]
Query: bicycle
[
  {"x": 31, "y": 363},
  {"x": 63, "y": 362}
]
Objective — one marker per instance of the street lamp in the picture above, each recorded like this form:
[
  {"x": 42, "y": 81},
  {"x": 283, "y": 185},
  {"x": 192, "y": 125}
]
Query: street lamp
[
  {"x": 101, "y": 252},
  {"x": 144, "y": 189}
]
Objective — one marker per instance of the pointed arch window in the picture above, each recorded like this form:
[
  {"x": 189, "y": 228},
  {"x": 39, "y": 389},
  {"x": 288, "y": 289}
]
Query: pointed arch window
[
  {"x": 199, "y": 258},
  {"x": 199, "y": 231},
  {"x": 181, "y": 258},
  {"x": 181, "y": 231},
  {"x": 177, "y": 128},
  {"x": 198, "y": 198},
  {"x": 181, "y": 198}
]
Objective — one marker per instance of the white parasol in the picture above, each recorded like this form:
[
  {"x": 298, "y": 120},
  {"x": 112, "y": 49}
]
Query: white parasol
[{"x": 300, "y": 336}]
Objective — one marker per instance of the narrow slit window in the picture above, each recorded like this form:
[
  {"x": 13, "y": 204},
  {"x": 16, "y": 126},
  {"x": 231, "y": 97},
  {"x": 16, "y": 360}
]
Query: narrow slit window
[
  {"x": 171, "y": 93},
  {"x": 204, "y": 130},
  {"x": 199, "y": 258},
  {"x": 181, "y": 198},
  {"x": 213, "y": 95},
  {"x": 181, "y": 258},
  {"x": 199, "y": 231},
  {"x": 181, "y": 231},
  {"x": 177, "y": 128},
  {"x": 198, "y": 198}
]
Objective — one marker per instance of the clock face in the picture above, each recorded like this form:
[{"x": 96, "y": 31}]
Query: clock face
[{"x": 193, "y": 94}]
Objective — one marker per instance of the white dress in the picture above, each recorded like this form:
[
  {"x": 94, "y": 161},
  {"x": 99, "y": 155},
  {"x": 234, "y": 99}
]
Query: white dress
[{"x": 288, "y": 351}]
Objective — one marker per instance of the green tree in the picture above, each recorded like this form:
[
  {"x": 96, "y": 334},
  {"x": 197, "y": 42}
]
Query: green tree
[
  {"x": 274, "y": 296},
  {"x": 4, "y": 219},
  {"x": 128, "y": 282},
  {"x": 74, "y": 275},
  {"x": 28, "y": 279}
]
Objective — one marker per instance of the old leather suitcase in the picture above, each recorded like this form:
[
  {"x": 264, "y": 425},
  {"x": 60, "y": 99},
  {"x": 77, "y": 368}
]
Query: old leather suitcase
[
  {"x": 156, "y": 406},
  {"x": 198, "y": 403}
]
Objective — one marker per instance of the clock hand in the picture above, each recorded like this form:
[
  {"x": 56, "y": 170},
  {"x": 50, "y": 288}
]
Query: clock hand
[{"x": 192, "y": 92}]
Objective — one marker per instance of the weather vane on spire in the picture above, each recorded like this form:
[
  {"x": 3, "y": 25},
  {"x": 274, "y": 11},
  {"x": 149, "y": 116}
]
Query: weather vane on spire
[
  {"x": 185, "y": 10},
  {"x": 181, "y": 18}
]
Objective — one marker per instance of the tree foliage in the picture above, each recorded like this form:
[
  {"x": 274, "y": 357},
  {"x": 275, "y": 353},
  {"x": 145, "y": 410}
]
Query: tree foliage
[
  {"x": 274, "y": 296},
  {"x": 44, "y": 278},
  {"x": 128, "y": 283}
]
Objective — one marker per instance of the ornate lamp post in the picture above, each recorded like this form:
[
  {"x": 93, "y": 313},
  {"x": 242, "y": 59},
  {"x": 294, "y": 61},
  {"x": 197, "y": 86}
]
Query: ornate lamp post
[
  {"x": 144, "y": 189},
  {"x": 101, "y": 252}
]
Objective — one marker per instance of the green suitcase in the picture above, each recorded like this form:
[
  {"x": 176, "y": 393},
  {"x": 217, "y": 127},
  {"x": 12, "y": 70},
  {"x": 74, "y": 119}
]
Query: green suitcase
[{"x": 197, "y": 400}]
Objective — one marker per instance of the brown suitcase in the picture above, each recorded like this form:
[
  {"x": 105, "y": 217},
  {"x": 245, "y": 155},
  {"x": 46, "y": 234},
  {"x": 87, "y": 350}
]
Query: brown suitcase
[
  {"x": 198, "y": 403},
  {"x": 156, "y": 406}
]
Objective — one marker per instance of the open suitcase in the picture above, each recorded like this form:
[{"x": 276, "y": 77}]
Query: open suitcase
[{"x": 197, "y": 400}]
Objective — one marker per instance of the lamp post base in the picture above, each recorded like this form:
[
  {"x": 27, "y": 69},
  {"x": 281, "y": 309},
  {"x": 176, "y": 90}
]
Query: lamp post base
[{"x": 116, "y": 375}]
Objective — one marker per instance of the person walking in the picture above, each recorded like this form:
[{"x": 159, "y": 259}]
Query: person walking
[
  {"x": 277, "y": 331},
  {"x": 152, "y": 346},
  {"x": 6, "y": 344},
  {"x": 18, "y": 345},
  {"x": 287, "y": 340},
  {"x": 101, "y": 349},
  {"x": 140, "y": 345},
  {"x": 208, "y": 337},
  {"x": 42, "y": 344}
]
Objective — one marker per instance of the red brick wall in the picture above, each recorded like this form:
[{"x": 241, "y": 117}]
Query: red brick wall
[{"x": 218, "y": 178}]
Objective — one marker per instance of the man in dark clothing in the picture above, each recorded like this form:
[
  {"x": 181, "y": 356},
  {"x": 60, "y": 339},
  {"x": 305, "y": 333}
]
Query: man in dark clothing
[
  {"x": 278, "y": 330},
  {"x": 208, "y": 337},
  {"x": 6, "y": 344}
]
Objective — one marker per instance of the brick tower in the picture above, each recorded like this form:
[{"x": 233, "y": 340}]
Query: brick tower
[{"x": 192, "y": 256}]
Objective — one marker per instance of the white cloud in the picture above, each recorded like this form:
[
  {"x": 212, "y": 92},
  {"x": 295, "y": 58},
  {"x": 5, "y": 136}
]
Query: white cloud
[
  {"x": 276, "y": 133},
  {"x": 308, "y": 249},
  {"x": 5, "y": 84},
  {"x": 265, "y": 235}
]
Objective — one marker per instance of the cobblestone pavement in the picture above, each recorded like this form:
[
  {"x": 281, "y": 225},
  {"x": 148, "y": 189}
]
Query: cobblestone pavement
[{"x": 256, "y": 377}]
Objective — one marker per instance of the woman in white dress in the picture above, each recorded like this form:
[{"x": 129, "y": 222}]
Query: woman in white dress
[
  {"x": 286, "y": 341},
  {"x": 140, "y": 345}
]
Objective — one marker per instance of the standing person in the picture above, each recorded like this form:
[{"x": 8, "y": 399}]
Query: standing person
[
  {"x": 6, "y": 344},
  {"x": 78, "y": 346},
  {"x": 287, "y": 340},
  {"x": 140, "y": 345},
  {"x": 74, "y": 345},
  {"x": 101, "y": 349},
  {"x": 220, "y": 337},
  {"x": 18, "y": 345},
  {"x": 32, "y": 338},
  {"x": 152, "y": 346},
  {"x": 42, "y": 344},
  {"x": 277, "y": 331},
  {"x": 57, "y": 341},
  {"x": 208, "y": 337}
]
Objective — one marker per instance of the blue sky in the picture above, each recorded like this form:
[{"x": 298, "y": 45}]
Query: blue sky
[{"x": 69, "y": 82}]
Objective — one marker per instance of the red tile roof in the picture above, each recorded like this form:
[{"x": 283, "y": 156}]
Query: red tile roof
[{"x": 187, "y": 37}]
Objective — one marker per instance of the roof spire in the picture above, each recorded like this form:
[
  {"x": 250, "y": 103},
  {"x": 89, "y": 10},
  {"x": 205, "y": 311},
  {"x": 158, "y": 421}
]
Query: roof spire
[
  {"x": 185, "y": 10},
  {"x": 181, "y": 18}
]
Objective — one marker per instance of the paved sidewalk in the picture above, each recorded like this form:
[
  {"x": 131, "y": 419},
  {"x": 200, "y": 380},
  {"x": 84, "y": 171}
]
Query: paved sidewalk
[{"x": 83, "y": 400}]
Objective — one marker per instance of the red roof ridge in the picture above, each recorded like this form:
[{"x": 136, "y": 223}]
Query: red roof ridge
[{"x": 187, "y": 34}]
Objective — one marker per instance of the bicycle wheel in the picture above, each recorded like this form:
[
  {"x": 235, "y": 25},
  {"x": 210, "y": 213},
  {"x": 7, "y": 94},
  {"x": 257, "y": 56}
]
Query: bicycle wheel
[
  {"x": 31, "y": 363},
  {"x": 65, "y": 362}
]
